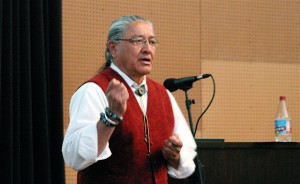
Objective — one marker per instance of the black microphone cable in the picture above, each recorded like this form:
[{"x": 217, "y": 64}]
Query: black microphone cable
[{"x": 211, "y": 100}]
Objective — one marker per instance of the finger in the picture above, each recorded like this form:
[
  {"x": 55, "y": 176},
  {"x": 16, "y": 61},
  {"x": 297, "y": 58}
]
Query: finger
[
  {"x": 168, "y": 153},
  {"x": 124, "y": 92},
  {"x": 117, "y": 96},
  {"x": 174, "y": 148},
  {"x": 175, "y": 140},
  {"x": 113, "y": 83},
  {"x": 116, "y": 90}
]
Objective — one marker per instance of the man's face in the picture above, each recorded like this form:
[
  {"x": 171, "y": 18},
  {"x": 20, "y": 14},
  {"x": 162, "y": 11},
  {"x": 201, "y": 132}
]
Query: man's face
[{"x": 135, "y": 60}]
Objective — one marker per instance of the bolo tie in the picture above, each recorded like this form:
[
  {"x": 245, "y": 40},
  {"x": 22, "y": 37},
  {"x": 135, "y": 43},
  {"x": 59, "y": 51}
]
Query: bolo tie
[{"x": 140, "y": 91}]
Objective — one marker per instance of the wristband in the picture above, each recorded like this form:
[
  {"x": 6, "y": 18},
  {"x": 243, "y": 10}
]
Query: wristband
[
  {"x": 112, "y": 115},
  {"x": 107, "y": 121}
]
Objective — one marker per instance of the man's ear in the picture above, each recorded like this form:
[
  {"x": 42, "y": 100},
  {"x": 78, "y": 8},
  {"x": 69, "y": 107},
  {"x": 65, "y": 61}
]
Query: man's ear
[{"x": 112, "y": 48}]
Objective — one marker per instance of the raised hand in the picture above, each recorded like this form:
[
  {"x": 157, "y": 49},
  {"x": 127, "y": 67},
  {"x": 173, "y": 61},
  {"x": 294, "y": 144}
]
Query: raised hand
[{"x": 117, "y": 95}]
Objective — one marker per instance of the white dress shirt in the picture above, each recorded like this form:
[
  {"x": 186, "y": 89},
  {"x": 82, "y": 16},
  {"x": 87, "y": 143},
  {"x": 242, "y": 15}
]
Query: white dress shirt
[{"x": 80, "y": 144}]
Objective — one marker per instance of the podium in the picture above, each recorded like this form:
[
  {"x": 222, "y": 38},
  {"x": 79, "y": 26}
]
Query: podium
[{"x": 247, "y": 163}]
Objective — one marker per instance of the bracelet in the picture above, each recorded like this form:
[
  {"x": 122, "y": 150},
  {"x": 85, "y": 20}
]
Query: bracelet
[
  {"x": 112, "y": 115},
  {"x": 107, "y": 121}
]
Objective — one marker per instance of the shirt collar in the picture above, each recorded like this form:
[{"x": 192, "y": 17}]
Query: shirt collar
[{"x": 130, "y": 82}]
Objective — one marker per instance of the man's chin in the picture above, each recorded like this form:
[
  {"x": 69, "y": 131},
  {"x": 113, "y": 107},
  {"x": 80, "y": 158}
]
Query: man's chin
[{"x": 146, "y": 70}]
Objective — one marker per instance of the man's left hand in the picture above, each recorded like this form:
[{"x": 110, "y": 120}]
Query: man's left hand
[{"x": 171, "y": 150}]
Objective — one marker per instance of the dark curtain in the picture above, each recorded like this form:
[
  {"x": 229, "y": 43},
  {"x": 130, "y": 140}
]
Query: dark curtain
[{"x": 31, "y": 117}]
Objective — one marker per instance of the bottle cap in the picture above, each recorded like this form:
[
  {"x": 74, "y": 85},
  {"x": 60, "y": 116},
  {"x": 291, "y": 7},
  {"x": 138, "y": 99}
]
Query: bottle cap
[{"x": 282, "y": 97}]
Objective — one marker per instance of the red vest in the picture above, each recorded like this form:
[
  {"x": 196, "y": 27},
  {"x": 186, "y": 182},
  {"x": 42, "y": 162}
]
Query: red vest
[{"x": 129, "y": 163}]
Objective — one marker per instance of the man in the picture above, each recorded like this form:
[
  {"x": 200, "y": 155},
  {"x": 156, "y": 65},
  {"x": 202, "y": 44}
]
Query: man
[{"x": 124, "y": 127}]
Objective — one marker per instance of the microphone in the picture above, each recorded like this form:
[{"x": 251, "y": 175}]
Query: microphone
[{"x": 183, "y": 83}]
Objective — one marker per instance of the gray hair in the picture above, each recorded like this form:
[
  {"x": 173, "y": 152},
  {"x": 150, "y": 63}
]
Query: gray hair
[{"x": 116, "y": 31}]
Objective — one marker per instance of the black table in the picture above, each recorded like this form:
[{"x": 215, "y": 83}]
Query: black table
[{"x": 247, "y": 163}]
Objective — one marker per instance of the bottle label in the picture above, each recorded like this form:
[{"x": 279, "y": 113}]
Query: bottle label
[{"x": 282, "y": 127}]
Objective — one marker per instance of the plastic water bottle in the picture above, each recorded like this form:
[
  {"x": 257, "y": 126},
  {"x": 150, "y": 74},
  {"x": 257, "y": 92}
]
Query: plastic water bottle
[{"x": 283, "y": 123}]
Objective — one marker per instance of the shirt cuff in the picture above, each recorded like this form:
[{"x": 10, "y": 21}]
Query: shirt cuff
[
  {"x": 105, "y": 153},
  {"x": 89, "y": 146},
  {"x": 186, "y": 165}
]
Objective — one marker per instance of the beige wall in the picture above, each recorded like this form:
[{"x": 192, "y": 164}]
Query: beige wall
[{"x": 252, "y": 48}]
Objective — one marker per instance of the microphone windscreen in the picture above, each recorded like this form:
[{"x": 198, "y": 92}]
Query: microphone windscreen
[{"x": 169, "y": 84}]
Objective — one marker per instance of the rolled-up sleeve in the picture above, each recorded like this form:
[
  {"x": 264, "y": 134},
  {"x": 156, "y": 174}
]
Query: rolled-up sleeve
[{"x": 80, "y": 145}]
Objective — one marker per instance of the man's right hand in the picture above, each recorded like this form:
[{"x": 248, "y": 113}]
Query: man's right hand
[{"x": 117, "y": 96}]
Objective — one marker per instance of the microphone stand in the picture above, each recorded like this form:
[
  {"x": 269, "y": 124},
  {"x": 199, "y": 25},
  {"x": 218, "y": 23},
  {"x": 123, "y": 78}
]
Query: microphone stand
[{"x": 188, "y": 103}]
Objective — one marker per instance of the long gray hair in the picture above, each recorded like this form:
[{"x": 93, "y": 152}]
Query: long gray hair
[{"x": 116, "y": 31}]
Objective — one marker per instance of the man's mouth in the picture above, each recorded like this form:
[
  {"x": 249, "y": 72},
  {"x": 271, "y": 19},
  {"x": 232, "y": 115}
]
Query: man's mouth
[{"x": 145, "y": 59}]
